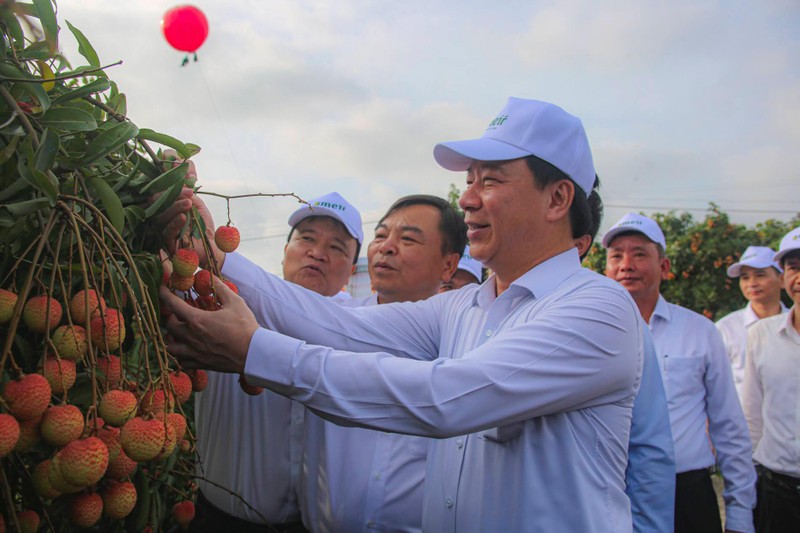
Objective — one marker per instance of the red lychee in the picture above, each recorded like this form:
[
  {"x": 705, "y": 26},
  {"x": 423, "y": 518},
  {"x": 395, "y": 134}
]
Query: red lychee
[
  {"x": 111, "y": 368},
  {"x": 157, "y": 402},
  {"x": 119, "y": 499},
  {"x": 28, "y": 397},
  {"x": 60, "y": 374},
  {"x": 182, "y": 384},
  {"x": 36, "y": 316},
  {"x": 78, "y": 306},
  {"x": 108, "y": 330},
  {"x": 122, "y": 467},
  {"x": 117, "y": 407},
  {"x": 56, "y": 477},
  {"x": 183, "y": 513},
  {"x": 62, "y": 424},
  {"x": 203, "y": 283},
  {"x": 181, "y": 283},
  {"x": 41, "y": 480},
  {"x": 85, "y": 509},
  {"x": 8, "y": 300},
  {"x": 227, "y": 238},
  {"x": 252, "y": 390},
  {"x": 29, "y": 434},
  {"x": 70, "y": 342},
  {"x": 9, "y": 433},
  {"x": 199, "y": 380},
  {"x": 142, "y": 439},
  {"x": 185, "y": 262},
  {"x": 83, "y": 462},
  {"x": 231, "y": 285},
  {"x": 28, "y": 521}
]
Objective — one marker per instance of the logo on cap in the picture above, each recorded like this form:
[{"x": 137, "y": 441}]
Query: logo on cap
[
  {"x": 631, "y": 223},
  {"x": 331, "y": 206},
  {"x": 498, "y": 121}
]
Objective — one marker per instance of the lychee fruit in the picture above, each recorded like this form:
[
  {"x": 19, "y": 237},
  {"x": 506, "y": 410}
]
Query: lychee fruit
[
  {"x": 28, "y": 521},
  {"x": 111, "y": 368},
  {"x": 117, "y": 407},
  {"x": 8, "y": 300},
  {"x": 83, "y": 462},
  {"x": 181, "y": 283},
  {"x": 169, "y": 443},
  {"x": 156, "y": 401},
  {"x": 78, "y": 306},
  {"x": 199, "y": 380},
  {"x": 203, "y": 283},
  {"x": 252, "y": 390},
  {"x": 41, "y": 480},
  {"x": 9, "y": 433},
  {"x": 227, "y": 238},
  {"x": 41, "y": 313},
  {"x": 60, "y": 374},
  {"x": 183, "y": 513},
  {"x": 185, "y": 262},
  {"x": 85, "y": 509},
  {"x": 108, "y": 330},
  {"x": 28, "y": 397},
  {"x": 141, "y": 439},
  {"x": 231, "y": 285},
  {"x": 62, "y": 424},
  {"x": 56, "y": 477},
  {"x": 121, "y": 467},
  {"x": 29, "y": 434},
  {"x": 110, "y": 437},
  {"x": 182, "y": 384},
  {"x": 70, "y": 342},
  {"x": 119, "y": 499}
]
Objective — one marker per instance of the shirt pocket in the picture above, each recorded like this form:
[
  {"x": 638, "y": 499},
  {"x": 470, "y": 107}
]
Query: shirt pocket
[{"x": 683, "y": 377}]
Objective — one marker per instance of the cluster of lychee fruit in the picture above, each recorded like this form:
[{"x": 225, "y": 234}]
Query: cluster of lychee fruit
[{"x": 90, "y": 455}]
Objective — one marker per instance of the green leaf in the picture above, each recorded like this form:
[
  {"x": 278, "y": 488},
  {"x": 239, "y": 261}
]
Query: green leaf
[
  {"x": 134, "y": 215},
  {"x": 47, "y": 17},
  {"x": 68, "y": 119},
  {"x": 40, "y": 181},
  {"x": 13, "y": 27},
  {"x": 166, "y": 140},
  {"x": 163, "y": 201},
  {"x": 38, "y": 50},
  {"x": 8, "y": 151},
  {"x": 36, "y": 90},
  {"x": 110, "y": 200},
  {"x": 28, "y": 206},
  {"x": 97, "y": 86},
  {"x": 108, "y": 141},
  {"x": 166, "y": 180},
  {"x": 193, "y": 148},
  {"x": 85, "y": 47},
  {"x": 48, "y": 149}
]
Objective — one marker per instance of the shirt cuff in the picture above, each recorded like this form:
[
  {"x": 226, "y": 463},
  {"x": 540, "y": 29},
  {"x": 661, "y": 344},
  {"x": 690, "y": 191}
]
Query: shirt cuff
[
  {"x": 269, "y": 360},
  {"x": 236, "y": 266},
  {"x": 739, "y": 519}
]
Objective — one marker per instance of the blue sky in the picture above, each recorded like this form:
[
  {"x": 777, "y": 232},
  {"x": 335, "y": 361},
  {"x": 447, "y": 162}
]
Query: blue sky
[{"x": 685, "y": 102}]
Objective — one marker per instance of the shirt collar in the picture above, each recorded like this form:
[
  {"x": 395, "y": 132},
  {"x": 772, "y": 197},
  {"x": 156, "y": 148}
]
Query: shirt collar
[
  {"x": 662, "y": 310},
  {"x": 538, "y": 281},
  {"x": 750, "y": 316},
  {"x": 787, "y": 324}
]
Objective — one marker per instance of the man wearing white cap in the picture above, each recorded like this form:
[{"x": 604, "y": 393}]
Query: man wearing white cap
[
  {"x": 698, "y": 382},
  {"x": 526, "y": 381},
  {"x": 352, "y": 478},
  {"x": 760, "y": 281},
  {"x": 251, "y": 446},
  {"x": 771, "y": 400},
  {"x": 469, "y": 271}
]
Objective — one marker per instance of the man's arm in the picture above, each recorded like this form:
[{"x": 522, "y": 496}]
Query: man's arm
[
  {"x": 752, "y": 390},
  {"x": 650, "y": 475},
  {"x": 728, "y": 430}
]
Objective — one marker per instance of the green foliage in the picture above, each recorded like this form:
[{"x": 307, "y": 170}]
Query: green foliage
[{"x": 700, "y": 252}]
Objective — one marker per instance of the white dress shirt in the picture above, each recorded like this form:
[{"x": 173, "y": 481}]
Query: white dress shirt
[
  {"x": 772, "y": 393},
  {"x": 733, "y": 328},
  {"x": 355, "y": 479},
  {"x": 529, "y": 393},
  {"x": 699, "y": 385}
]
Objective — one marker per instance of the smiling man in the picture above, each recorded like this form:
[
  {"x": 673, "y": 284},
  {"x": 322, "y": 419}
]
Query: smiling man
[
  {"x": 251, "y": 446},
  {"x": 526, "y": 381},
  {"x": 703, "y": 407}
]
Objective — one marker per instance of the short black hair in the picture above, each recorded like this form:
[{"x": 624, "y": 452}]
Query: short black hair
[
  {"x": 451, "y": 223},
  {"x": 595, "y": 213},
  {"x": 794, "y": 254},
  {"x": 580, "y": 212},
  {"x": 338, "y": 223}
]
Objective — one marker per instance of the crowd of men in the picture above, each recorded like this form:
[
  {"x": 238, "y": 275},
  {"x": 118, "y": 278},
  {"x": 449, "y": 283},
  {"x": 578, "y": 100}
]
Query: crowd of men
[{"x": 544, "y": 397}]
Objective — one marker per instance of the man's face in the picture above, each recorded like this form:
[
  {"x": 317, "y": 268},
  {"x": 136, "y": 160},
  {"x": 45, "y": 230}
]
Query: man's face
[
  {"x": 319, "y": 256},
  {"x": 633, "y": 261},
  {"x": 459, "y": 279},
  {"x": 505, "y": 214},
  {"x": 760, "y": 285},
  {"x": 791, "y": 278},
  {"x": 406, "y": 262}
]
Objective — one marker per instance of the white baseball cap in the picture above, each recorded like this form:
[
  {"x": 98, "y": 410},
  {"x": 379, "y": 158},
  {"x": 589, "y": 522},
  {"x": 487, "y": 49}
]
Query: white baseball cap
[
  {"x": 523, "y": 128},
  {"x": 335, "y": 206},
  {"x": 754, "y": 257},
  {"x": 471, "y": 265},
  {"x": 789, "y": 243},
  {"x": 633, "y": 222}
]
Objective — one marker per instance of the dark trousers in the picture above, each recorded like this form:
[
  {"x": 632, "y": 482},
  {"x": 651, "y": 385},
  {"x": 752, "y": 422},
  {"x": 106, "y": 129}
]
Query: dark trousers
[
  {"x": 211, "y": 519},
  {"x": 778, "y": 508},
  {"x": 696, "y": 508}
]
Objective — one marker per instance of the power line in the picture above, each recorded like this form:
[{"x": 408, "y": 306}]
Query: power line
[{"x": 684, "y": 208}]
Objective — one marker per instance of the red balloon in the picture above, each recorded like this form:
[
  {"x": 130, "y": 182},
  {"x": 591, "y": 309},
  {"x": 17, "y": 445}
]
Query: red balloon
[{"x": 185, "y": 28}]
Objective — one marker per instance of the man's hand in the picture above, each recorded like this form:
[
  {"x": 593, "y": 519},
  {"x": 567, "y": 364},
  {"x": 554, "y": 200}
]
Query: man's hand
[{"x": 211, "y": 340}]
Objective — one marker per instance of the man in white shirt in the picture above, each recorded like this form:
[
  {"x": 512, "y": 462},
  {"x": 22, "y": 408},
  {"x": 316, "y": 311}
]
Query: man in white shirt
[
  {"x": 771, "y": 399},
  {"x": 760, "y": 281},
  {"x": 526, "y": 381},
  {"x": 469, "y": 271},
  {"x": 698, "y": 382},
  {"x": 250, "y": 446},
  {"x": 356, "y": 479}
]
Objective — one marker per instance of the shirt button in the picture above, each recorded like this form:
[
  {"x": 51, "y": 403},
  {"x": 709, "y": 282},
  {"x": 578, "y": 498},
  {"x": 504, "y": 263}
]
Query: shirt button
[
  {"x": 448, "y": 502},
  {"x": 488, "y": 333},
  {"x": 377, "y": 476},
  {"x": 460, "y": 443}
]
